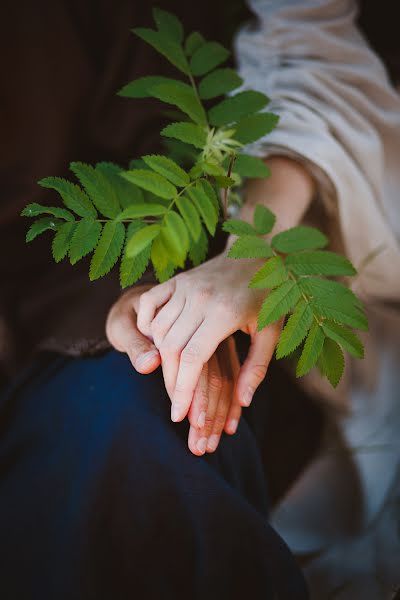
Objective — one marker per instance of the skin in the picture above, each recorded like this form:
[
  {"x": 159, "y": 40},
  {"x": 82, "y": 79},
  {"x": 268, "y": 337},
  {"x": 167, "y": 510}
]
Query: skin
[{"x": 191, "y": 318}]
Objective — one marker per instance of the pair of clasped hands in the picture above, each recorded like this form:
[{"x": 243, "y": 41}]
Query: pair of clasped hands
[{"x": 187, "y": 323}]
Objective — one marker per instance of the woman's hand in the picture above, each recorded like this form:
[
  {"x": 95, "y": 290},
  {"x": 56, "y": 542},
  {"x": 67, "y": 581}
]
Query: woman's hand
[
  {"x": 213, "y": 408},
  {"x": 189, "y": 316}
]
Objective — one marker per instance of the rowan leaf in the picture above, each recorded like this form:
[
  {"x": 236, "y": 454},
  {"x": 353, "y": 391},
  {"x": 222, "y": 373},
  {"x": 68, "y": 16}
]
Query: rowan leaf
[
  {"x": 272, "y": 274},
  {"x": 186, "y": 132},
  {"x": 190, "y": 216},
  {"x": 278, "y": 303},
  {"x": 193, "y": 43},
  {"x": 223, "y": 181},
  {"x": 341, "y": 311},
  {"x": 152, "y": 182},
  {"x": 250, "y": 166},
  {"x": 108, "y": 250},
  {"x": 236, "y": 107},
  {"x": 126, "y": 192},
  {"x": 62, "y": 240},
  {"x": 264, "y": 219},
  {"x": 198, "y": 249},
  {"x": 299, "y": 238},
  {"x": 249, "y": 246},
  {"x": 295, "y": 330},
  {"x": 321, "y": 288},
  {"x": 332, "y": 361},
  {"x": 205, "y": 206},
  {"x": 84, "y": 239},
  {"x": 98, "y": 189},
  {"x": 141, "y": 239},
  {"x": 40, "y": 226},
  {"x": 168, "y": 24},
  {"x": 165, "y": 46},
  {"x": 207, "y": 57},
  {"x": 319, "y": 262},
  {"x": 311, "y": 350},
  {"x": 73, "y": 196},
  {"x": 132, "y": 269},
  {"x": 210, "y": 192},
  {"x": 346, "y": 338},
  {"x": 141, "y": 87},
  {"x": 168, "y": 168},
  {"x": 252, "y": 128},
  {"x": 219, "y": 82},
  {"x": 175, "y": 237},
  {"x": 238, "y": 227},
  {"x": 182, "y": 97},
  {"x": 35, "y": 209},
  {"x": 136, "y": 211}
]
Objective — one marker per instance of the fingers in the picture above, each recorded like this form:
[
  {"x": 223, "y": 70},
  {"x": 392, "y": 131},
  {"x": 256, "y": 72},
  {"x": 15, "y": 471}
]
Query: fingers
[
  {"x": 123, "y": 335},
  {"x": 255, "y": 366},
  {"x": 150, "y": 302},
  {"x": 195, "y": 354},
  {"x": 235, "y": 410}
]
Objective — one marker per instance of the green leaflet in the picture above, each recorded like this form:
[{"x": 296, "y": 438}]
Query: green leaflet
[
  {"x": 250, "y": 166},
  {"x": 252, "y": 128},
  {"x": 272, "y": 274},
  {"x": 322, "y": 288},
  {"x": 98, "y": 189},
  {"x": 222, "y": 180},
  {"x": 190, "y": 216},
  {"x": 141, "y": 88},
  {"x": 311, "y": 350},
  {"x": 137, "y": 211},
  {"x": 126, "y": 192},
  {"x": 236, "y": 107},
  {"x": 168, "y": 168},
  {"x": 73, "y": 197},
  {"x": 219, "y": 82},
  {"x": 184, "y": 99},
  {"x": 340, "y": 310},
  {"x": 186, "y": 132},
  {"x": 175, "y": 238},
  {"x": 278, "y": 303},
  {"x": 132, "y": 269},
  {"x": 152, "y": 182},
  {"x": 250, "y": 247},
  {"x": 299, "y": 238},
  {"x": 35, "y": 209},
  {"x": 210, "y": 192},
  {"x": 332, "y": 361},
  {"x": 165, "y": 46},
  {"x": 84, "y": 239},
  {"x": 198, "y": 250},
  {"x": 62, "y": 240},
  {"x": 168, "y": 24},
  {"x": 159, "y": 255},
  {"x": 319, "y": 262},
  {"x": 205, "y": 206},
  {"x": 238, "y": 227},
  {"x": 193, "y": 43},
  {"x": 264, "y": 219},
  {"x": 40, "y": 226},
  {"x": 295, "y": 330},
  {"x": 141, "y": 239},
  {"x": 207, "y": 57},
  {"x": 108, "y": 250},
  {"x": 346, "y": 338}
]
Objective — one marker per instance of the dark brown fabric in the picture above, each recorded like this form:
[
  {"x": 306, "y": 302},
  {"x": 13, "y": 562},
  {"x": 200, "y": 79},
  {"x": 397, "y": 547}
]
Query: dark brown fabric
[{"x": 62, "y": 62}]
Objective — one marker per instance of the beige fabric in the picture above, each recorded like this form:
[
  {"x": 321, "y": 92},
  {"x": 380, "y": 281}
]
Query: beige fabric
[{"x": 340, "y": 116}]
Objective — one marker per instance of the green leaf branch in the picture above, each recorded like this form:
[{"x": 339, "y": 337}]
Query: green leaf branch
[{"x": 160, "y": 211}]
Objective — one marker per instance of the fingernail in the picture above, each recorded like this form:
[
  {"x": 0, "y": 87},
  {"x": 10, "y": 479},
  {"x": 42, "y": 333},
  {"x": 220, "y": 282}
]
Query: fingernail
[
  {"x": 175, "y": 412},
  {"x": 233, "y": 425},
  {"x": 202, "y": 445},
  {"x": 201, "y": 421},
  {"x": 145, "y": 358},
  {"x": 247, "y": 397},
  {"x": 213, "y": 443}
]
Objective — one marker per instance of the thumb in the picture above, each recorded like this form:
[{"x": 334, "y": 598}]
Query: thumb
[{"x": 255, "y": 366}]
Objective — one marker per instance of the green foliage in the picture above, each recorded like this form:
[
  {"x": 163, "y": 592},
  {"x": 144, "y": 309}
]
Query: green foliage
[{"x": 159, "y": 212}]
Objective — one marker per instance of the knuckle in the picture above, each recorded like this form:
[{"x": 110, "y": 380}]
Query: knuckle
[
  {"x": 215, "y": 382},
  {"x": 219, "y": 421},
  {"x": 169, "y": 348},
  {"x": 203, "y": 293},
  {"x": 258, "y": 371},
  {"x": 191, "y": 354}
]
